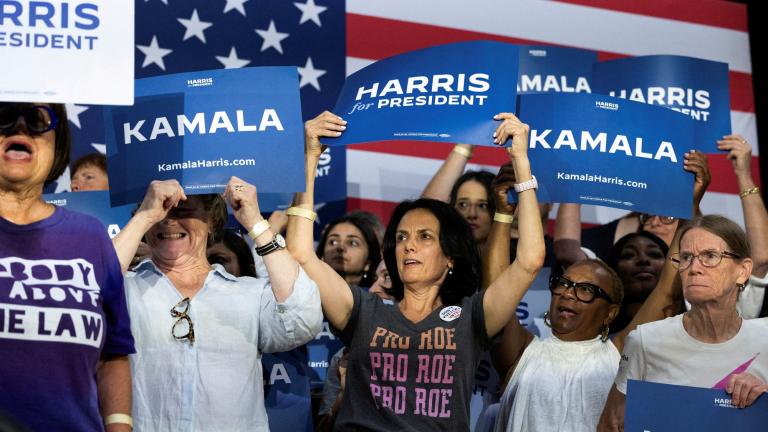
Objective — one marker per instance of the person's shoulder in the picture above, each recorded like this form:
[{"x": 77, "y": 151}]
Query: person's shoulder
[
  {"x": 660, "y": 326},
  {"x": 84, "y": 223}
]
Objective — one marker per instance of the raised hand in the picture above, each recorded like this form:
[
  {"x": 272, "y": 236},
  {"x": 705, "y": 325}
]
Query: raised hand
[
  {"x": 327, "y": 124},
  {"x": 242, "y": 197}
]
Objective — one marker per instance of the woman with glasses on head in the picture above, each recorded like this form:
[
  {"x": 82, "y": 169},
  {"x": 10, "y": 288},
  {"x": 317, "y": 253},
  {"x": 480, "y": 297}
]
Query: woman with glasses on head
[
  {"x": 200, "y": 331},
  {"x": 561, "y": 382},
  {"x": 709, "y": 346},
  {"x": 64, "y": 328}
]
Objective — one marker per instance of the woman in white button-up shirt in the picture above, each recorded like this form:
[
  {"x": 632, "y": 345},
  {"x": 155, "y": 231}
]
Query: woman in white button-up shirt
[{"x": 200, "y": 331}]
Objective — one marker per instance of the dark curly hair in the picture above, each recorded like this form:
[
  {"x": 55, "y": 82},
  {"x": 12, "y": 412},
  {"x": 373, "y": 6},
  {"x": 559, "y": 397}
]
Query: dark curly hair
[{"x": 456, "y": 242}]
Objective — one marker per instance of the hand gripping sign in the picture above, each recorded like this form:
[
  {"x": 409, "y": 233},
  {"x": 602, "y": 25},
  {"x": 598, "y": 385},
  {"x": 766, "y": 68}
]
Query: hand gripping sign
[
  {"x": 201, "y": 128},
  {"x": 447, "y": 93}
]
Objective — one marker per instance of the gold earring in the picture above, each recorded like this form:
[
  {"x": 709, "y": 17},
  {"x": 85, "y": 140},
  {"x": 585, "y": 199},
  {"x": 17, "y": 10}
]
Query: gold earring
[{"x": 604, "y": 333}]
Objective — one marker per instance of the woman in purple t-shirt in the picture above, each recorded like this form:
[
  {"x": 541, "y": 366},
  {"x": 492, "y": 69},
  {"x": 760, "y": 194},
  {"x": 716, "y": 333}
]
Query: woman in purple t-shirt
[{"x": 64, "y": 327}]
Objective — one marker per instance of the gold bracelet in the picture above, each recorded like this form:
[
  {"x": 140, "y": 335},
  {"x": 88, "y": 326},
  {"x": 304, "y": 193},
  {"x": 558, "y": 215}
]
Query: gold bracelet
[
  {"x": 258, "y": 229},
  {"x": 118, "y": 418},
  {"x": 301, "y": 212},
  {"x": 746, "y": 192},
  {"x": 503, "y": 218},
  {"x": 467, "y": 153}
]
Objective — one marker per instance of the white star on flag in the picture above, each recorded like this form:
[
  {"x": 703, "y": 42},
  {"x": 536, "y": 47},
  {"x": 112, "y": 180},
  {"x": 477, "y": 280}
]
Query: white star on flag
[
  {"x": 101, "y": 148},
  {"x": 272, "y": 38},
  {"x": 194, "y": 27},
  {"x": 235, "y": 4},
  {"x": 73, "y": 113},
  {"x": 310, "y": 12},
  {"x": 63, "y": 182},
  {"x": 153, "y": 54},
  {"x": 232, "y": 62},
  {"x": 309, "y": 75}
]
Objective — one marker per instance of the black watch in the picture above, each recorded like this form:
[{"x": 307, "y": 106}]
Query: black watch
[{"x": 277, "y": 243}]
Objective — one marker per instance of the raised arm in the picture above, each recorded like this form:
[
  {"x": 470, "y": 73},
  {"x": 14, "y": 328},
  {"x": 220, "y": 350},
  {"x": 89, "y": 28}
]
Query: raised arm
[
  {"x": 439, "y": 187},
  {"x": 495, "y": 261},
  {"x": 664, "y": 299},
  {"x": 335, "y": 294},
  {"x": 696, "y": 163},
  {"x": 282, "y": 268},
  {"x": 567, "y": 239},
  {"x": 755, "y": 215},
  {"x": 504, "y": 293},
  {"x": 160, "y": 198}
]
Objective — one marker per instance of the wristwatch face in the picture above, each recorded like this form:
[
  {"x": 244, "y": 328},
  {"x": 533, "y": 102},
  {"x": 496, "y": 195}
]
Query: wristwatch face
[{"x": 280, "y": 241}]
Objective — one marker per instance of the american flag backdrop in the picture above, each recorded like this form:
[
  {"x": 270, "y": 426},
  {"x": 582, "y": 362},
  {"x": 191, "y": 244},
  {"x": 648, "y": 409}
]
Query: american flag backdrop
[
  {"x": 380, "y": 175},
  {"x": 174, "y": 36},
  {"x": 327, "y": 38}
]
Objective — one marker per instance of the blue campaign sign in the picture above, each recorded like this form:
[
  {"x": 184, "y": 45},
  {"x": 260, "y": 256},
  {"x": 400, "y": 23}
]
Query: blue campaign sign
[
  {"x": 200, "y": 128},
  {"x": 330, "y": 183},
  {"x": 595, "y": 149},
  {"x": 545, "y": 69},
  {"x": 447, "y": 93},
  {"x": 287, "y": 396},
  {"x": 696, "y": 87},
  {"x": 96, "y": 204},
  {"x": 321, "y": 350},
  {"x": 653, "y": 407}
]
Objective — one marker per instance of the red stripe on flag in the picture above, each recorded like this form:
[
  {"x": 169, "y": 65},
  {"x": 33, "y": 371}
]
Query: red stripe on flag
[
  {"x": 432, "y": 150},
  {"x": 714, "y": 13},
  {"x": 370, "y": 38},
  {"x": 382, "y": 209},
  {"x": 723, "y": 178}
]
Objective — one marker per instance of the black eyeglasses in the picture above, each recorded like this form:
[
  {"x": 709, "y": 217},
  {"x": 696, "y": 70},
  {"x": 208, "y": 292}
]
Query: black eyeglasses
[
  {"x": 708, "y": 258},
  {"x": 585, "y": 292},
  {"x": 38, "y": 119},
  {"x": 183, "y": 327},
  {"x": 666, "y": 220}
]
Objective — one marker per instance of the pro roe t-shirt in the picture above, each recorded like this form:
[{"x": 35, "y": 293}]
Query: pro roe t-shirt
[
  {"x": 62, "y": 307},
  {"x": 411, "y": 376}
]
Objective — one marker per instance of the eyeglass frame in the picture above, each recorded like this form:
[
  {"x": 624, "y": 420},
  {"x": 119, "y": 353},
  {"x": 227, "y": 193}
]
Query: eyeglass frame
[
  {"x": 677, "y": 262},
  {"x": 665, "y": 220},
  {"x": 561, "y": 280},
  {"x": 52, "y": 124},
  {"x": 183, "y": 315}
]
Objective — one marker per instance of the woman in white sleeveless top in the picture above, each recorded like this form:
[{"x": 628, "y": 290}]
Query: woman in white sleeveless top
[{"x": 561, "y": 382}]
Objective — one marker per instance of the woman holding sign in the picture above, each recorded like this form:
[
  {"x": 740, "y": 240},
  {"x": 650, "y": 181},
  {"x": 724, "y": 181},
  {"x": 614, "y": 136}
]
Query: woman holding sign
[
  {"x": 412, "y": 363},
  {"x": 199, "y": 330},
  {"x": 561, "y": 382},
  {"x": 709, "y": 346},
  {"x": 64, "y": 328}
]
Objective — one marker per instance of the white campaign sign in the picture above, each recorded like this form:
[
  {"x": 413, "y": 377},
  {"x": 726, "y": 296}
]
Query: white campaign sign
[{"x": 76, "y": 51}]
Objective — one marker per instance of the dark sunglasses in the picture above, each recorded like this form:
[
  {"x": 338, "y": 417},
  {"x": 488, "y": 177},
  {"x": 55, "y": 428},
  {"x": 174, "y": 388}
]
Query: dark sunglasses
[
  {"x": 38, "y": 119},
  {"x": 585, "y": 292}
]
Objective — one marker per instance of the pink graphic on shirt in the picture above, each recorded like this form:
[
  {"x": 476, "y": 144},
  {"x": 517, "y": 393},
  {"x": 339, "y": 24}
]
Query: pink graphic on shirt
[
  {"x": 432, "y": 354},
  {"x": 724, "y": 382}
]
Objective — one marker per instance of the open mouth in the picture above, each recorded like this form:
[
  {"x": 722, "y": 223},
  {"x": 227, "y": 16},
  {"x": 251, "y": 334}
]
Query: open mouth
[
  {"x": 18, "y": 150},
  {"x": 410, "y": 262},
  {"x": 171, "y": 236},
  {"x": 565, "y": 312}
]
